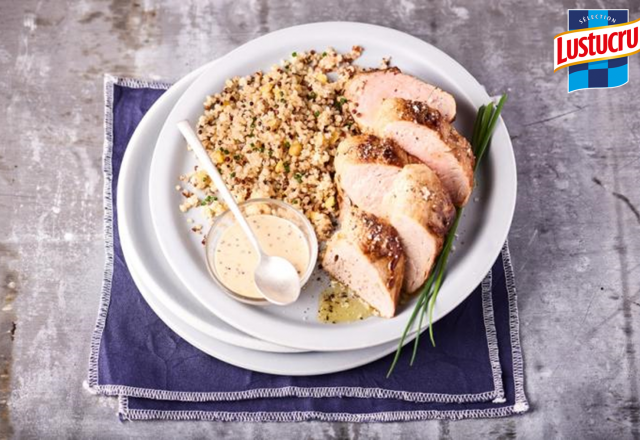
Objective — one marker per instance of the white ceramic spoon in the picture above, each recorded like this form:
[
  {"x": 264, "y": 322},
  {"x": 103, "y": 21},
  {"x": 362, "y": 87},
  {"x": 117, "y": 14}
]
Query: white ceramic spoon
[{"x": 275, "y": 277}]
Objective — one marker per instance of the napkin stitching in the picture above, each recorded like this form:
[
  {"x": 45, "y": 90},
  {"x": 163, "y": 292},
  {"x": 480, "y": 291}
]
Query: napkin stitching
[
  {"x": 315, "y": 392},
  {"x": 294, "y": 391},
  {"x": 107, "y": 170},
  {"x": 301, "y": 416},
  {"x": 521, "y": 404},
  {"x": 492, "y": 337}
]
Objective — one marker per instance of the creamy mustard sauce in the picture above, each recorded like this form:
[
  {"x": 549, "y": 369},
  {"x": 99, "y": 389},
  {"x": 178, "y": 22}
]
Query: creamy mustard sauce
[
  {"x": 236, "y": 260},
  {"x": 338, "y": 304}
]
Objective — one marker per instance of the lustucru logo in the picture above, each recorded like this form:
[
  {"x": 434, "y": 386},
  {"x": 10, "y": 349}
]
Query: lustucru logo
[{"x": 596, "y": 47}]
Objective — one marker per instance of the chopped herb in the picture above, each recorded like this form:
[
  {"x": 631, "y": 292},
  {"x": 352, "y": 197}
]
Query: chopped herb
[
  {"x": 287, "y": 144},
  {"x": 207, "y": 200},
  {"x": 270, "y": 153},
  {"x": 281, "y": 93},
  {"x": 294, "y": 54},
  {"x": 312, "y": 95},
  {"x": 253, "y": 122},
  {"x": 324, "y": 54},
  {"x": 339, "y": 103},
  {"x": 287, "y": 168},
  {"x": 237, "y": 157},
  {"x": 316, "y": 113},
  {"x": 232, "y": 175},
  {"x": 262, "y": 149},
  {"x": 298, "y": 177}
]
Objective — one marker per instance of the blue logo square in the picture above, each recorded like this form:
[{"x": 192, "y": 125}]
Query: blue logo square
[{"x": 598, "y": 77}]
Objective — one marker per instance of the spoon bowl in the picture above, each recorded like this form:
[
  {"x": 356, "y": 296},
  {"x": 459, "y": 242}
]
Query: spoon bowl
[{"x": 274, "y": 277}]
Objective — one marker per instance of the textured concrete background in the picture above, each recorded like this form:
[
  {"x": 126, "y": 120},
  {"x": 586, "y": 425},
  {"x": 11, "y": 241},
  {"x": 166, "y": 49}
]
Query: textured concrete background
[{"x": 575, "y": 238}]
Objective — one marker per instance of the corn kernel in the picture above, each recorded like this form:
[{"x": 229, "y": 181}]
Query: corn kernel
[
  {"x": 330, "y": 202},
  {"x": 218, "y": 157},
  {"x": 202, "y": 176},
  {"x": 273, "y": 123},
  {"x": 280, "y": 167},
  {"x": 295, "y": 149},
  {"x": 322, "y": 78}
]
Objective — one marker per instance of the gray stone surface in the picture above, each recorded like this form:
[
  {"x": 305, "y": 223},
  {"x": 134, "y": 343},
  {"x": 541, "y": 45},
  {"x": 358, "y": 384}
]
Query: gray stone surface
[{"x": 575, "y": 238}]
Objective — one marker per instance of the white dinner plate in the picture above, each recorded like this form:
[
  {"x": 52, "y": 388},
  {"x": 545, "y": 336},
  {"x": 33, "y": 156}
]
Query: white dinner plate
[
  {"x": 139, "y": 243},
  {"x": 483, "y": 229}
]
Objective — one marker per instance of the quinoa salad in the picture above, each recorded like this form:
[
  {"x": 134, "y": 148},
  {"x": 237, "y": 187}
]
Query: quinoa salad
[{"x": 274, "y": 135}]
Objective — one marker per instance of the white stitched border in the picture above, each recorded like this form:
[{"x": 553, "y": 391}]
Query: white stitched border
[
  {"x": 492, "y": 336},
  {"x": 107, "y": 171},
  {"x": 301, "y": 416},
  {"x": 294, "y": 391},
  {"x": 521, "y": 405}
]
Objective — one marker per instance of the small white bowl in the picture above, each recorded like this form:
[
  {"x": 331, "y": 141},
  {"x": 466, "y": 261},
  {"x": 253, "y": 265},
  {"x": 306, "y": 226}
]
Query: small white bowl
[{"x": 257, "y": 207}]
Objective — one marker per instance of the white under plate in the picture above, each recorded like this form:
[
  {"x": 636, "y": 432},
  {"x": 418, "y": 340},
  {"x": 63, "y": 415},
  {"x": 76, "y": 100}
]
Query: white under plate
[
  {"x": 286, "y": 364},
  {"x": 140, "y": 247},
  {"x": 483, "y": 229}
]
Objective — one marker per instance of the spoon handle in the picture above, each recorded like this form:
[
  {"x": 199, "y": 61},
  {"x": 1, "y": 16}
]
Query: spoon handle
[{"x": 212, "y": 171}]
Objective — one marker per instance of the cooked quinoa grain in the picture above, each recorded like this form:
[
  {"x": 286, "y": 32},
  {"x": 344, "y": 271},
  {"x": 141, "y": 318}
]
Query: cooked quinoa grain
[{"x": 274, "y": 135}]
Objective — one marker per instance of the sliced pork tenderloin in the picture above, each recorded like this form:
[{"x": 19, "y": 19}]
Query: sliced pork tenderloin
[
  {"x": 366, "y": 91},
  {"x": 366, "y": 254},
  {"x": 422, "y": 132}
]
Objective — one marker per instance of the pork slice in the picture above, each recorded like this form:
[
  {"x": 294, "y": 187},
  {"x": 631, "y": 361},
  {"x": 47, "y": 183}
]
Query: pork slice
[
  {"x": 421, "y": 210},
  {"x": 366, "y": 254},
  {"x": 365, "y": 166},
  {"x": 422, "y": 132},
  {"x": 366, "y": 91}
]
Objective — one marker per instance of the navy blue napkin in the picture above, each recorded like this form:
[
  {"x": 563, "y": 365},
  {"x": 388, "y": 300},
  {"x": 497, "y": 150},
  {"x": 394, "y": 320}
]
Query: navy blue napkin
[{"x": 474, "y": 371}]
